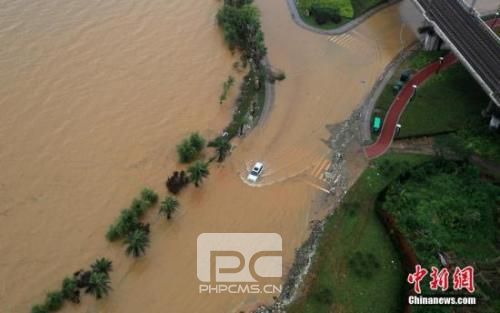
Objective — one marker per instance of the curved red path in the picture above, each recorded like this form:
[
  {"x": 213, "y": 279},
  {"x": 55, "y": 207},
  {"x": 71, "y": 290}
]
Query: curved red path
[{"x": 397, "y": 107}]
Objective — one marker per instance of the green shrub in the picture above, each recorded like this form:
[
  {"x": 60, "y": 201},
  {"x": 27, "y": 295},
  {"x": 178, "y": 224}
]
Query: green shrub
[
  {"x": 197, "y": 142},
  {"x": 225, "y": 88},
  {"x": 323, "y": 14},
  {"x": 112, "y": 234},
  {"x": 54, "y": 301},
  {"x": 39, "y": 309},
  {"x": 70, "y": 290},
  {"x": 139, "y": 207},
  {"x": 186, "y": 151},
  {"x": 242, "y": 30},
  {"x": 149, "y": 195}
]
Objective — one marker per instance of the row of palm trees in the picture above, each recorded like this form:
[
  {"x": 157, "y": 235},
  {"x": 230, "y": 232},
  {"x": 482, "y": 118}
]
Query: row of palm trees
[{"x": 95, "y": 281}]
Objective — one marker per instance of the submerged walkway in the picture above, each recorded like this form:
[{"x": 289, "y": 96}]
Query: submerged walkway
[{"x": 397, "y": 107}]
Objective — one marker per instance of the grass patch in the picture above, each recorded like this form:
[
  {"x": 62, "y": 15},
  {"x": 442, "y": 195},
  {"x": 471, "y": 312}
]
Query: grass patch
[
  {"x": 348, "y": 10},
  {"x": 352, "y": 236},
  {"x": 446, "y": 102},
  {"x": 344, "y": 7},
  {"x": 415, "y": 62}
]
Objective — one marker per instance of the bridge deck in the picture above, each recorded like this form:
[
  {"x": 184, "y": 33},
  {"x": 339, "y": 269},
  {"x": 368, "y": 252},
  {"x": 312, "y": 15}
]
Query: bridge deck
[{"x": 471, "y": 37}]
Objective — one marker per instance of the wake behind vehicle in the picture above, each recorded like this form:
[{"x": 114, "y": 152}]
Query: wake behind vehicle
[{"x": 255, "y": 173}]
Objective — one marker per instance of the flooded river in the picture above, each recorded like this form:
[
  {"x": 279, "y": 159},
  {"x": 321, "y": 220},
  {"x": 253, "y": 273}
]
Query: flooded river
[{"x": 94, "y": 97}]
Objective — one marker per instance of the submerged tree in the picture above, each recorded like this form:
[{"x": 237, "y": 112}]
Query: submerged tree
[
  {"x": 38, "y": 308},
  {"x": 102, "y": 265},
  {"x": 54, "y": 301},
  {"x": 99, "y": 285},
  {"x": 70, "y": 290},
  {"x": 169, "y": 206},
  {"x": 177, "y": 181},
  {"x": 197, "y": 172},
  {"x": 197, "y": 142},
  {"x": 222, "y": 146},
  {"x": 137, "y": 242},
  {"x": 149, "y": 195}
]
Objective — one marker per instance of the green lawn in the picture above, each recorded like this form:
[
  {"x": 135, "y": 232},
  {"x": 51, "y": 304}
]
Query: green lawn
[
  {"x": 446, "y": 102},
  {"x": 351, "y": 9},
  {"x": 356, "y": 268},
  {"x": 415, "y": 62}
]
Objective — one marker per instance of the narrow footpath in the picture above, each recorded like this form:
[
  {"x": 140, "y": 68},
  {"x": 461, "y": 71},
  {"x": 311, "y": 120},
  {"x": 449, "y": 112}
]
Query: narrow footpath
[{"x": 398, "y": 106}]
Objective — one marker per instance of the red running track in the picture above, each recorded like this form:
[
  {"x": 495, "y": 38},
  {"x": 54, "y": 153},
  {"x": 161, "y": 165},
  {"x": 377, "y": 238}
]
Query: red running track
[{"x": 398, "y": 106}]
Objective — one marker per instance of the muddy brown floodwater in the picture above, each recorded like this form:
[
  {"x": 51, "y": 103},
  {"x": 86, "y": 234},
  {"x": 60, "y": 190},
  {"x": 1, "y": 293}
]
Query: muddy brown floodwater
[{"x": 94, "y": 97}]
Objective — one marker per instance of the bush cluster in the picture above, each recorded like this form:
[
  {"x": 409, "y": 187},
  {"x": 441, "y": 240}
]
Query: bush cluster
[
  {"x": 94, "y": 281},
  {"x": 323, "y": 14},
  {"x": 444, "y": 206},
  {"x": 240, "y": 21},
  {"x": 190, "y": 148},
  {"x": 129, "y": 219}
]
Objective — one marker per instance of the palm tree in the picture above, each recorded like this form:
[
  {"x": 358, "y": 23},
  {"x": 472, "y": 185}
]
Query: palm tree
[
  {"x": 197, "y": 172},
  {"x": 169, "y": 206},
  {"x": 98, "y": 285},
  {"x": 222, "y": 146},
  {"x": 102, "y": 265},
  {"x": 137, "y": 242}
]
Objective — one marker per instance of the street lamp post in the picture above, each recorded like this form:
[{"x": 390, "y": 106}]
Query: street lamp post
[
  {"x": 496, "y": 19},
  {"x": 441, "y": 61},
  {"x": 414, "y": 91}
]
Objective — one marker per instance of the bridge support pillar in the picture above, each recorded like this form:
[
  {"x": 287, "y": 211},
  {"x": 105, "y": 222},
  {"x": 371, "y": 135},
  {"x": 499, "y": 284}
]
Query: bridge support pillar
[
  {"x": 494, "y": 122},
  {"x": 431, "y": 42}
]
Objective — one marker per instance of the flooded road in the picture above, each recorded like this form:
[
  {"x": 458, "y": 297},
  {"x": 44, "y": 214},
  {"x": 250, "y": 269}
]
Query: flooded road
[{"x": 94, "y": 97}]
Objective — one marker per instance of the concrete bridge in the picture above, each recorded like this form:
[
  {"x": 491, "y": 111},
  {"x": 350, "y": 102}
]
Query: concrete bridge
[{"x": 474, "y": 43}]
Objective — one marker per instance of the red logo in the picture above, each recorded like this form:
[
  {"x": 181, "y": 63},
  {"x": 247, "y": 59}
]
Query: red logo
[{"x": 462, "y": 278}]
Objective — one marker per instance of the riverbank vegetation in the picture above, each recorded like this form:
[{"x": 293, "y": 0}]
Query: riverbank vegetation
[
  {"x": 341, "y": 275},
  {"x": 444, "y": 209},
  {"x": 129, "y": 219},
  {"x": 190, "y": 148},
  {"x": 329, "y": 14},
  {"x": 95, "y": 281},
  {"x": 439, "y": 206},
  {"x": 225, "y": 88},
  {"x": 445, "y": 206},
  {"x": 240, "y": 23}
]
